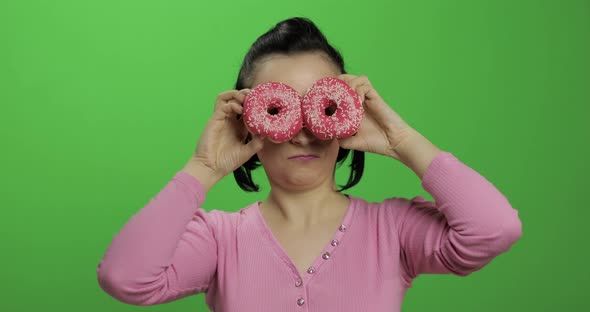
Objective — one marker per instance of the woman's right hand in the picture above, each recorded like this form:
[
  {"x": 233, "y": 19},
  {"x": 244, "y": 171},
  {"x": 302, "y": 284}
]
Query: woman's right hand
[{"x": 221, "y": 148}]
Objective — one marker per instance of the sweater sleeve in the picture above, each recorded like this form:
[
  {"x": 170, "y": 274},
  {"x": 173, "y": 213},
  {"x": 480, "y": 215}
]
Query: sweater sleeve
[
  {"x": 166, "y": 251},
  {"x": 469, "y": 223}
]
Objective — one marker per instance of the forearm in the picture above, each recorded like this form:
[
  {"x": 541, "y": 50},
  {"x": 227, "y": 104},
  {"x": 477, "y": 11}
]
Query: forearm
[{"x": 136, "y": 266}]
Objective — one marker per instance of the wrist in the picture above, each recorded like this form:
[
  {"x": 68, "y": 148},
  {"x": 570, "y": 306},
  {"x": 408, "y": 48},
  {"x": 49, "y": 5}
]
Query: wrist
[
  {"x": 206, "y": 176},
  {"x": 417, "y": 152}
]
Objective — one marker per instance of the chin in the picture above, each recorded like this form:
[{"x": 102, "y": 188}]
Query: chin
[{"x": 305, "y": 178}]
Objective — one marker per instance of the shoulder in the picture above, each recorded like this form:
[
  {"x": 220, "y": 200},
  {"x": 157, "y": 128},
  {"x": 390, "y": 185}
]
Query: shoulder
[
  {"x": 392, "y": 209},
  {"x": 224, "y": 221},
  {"x": 391, "y": 203}
]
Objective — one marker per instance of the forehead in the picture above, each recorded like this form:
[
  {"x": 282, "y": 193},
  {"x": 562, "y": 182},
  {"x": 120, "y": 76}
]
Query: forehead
[{"x": 298, "y": 71}]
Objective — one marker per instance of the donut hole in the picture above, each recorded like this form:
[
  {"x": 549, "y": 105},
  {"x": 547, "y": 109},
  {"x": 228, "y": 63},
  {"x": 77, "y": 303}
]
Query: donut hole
[
  {"x": 331, "y": 109},
  {"x": 273, "y": 110}
]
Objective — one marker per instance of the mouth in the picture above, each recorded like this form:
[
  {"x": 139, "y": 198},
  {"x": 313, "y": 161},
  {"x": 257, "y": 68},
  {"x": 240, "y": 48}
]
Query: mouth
[{"x": 303, "y": 157}]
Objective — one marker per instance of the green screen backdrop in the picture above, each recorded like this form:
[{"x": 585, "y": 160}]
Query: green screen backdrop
[{"x": 102, "y": 102}]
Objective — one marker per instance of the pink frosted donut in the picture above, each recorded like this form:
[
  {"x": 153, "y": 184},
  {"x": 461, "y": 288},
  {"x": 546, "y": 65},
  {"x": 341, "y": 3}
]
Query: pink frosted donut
[
  {"x": 273, "y": 110},
  {"x": 332, "y": 109}
]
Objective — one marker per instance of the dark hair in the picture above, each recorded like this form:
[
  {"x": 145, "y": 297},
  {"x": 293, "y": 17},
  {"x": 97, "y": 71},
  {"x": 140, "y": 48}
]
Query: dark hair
[{"x": 291, "y": 36}]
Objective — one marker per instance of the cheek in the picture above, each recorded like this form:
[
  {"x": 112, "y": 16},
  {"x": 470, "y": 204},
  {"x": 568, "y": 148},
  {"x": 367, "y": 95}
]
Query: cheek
[
  {"x": 268, "y": 154},
  {"x": 263, "y": 158},
  {"x": 334, "y": 148}
]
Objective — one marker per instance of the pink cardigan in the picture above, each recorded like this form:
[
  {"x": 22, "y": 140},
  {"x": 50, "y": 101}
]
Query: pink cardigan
[{"x": 172, "y": 248}]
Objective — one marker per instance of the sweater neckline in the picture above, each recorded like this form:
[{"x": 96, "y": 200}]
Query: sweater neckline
[{"x": 327, "y": 254}]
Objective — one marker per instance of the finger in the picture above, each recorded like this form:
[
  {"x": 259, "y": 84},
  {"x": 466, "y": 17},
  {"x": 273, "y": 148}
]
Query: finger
[
  {"x": 346, "y": 143},
  {"x": 236, "y": 122},
  {"x": 216, "y": 124},
  {"x": 362, "y": 91},
  {"x": 240, "y": 97},
  {"x": 232, "y": 108},
  {"x": 245, "y": 91},
  {"x": 252, "y": 147},
  {"x": 359, "y": 81},
  {"x": 223, "y": 97},
  {"x": 346, "y": 77},
  {"x": 237, "y": 109},
  {"x": 227, "y": 95}
]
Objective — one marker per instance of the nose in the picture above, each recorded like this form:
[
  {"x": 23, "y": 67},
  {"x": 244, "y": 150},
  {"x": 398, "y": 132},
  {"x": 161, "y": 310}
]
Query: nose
[{"x": 303, "y": 137}]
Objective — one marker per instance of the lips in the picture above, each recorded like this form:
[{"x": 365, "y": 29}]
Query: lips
[{"x": 304, "y": 156}]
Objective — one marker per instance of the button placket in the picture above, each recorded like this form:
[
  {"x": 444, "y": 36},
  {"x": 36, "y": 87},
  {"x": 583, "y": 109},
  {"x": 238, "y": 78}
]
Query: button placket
[
  {"x": 300, "y": 300},
  {"x": 313, "y": 269},
  {"x": 327, "y": 254}
]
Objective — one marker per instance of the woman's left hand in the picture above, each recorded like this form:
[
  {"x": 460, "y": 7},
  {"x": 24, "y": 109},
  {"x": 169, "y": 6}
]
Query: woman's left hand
[{"x": 381, "y": 129}]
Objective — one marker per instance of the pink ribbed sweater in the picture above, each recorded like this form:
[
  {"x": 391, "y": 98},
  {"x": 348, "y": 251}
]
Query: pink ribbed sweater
[{"x": 172, "y": 248}]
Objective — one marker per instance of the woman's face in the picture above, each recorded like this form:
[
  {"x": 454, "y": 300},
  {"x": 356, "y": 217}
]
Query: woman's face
[{"x": 300, "y": 72}]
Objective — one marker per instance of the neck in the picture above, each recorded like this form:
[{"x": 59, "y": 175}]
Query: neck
[{"x": 305, "y": 207}]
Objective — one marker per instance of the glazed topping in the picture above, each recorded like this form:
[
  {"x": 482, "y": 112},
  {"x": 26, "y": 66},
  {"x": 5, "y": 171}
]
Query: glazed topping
[
  {"x": 319, "y": 103},
  {"x": 273, "y": 109}
]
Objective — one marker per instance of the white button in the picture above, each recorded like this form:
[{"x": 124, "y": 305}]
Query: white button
[
  {"x": 311, "y": 270},
  {"x": 334, "y": 242},
  {"x": 342, "y": 228},
  {"x": 298, "y": 283},
  {"x": 300, "y": 301},
  {"x": 326, "y": 255}
]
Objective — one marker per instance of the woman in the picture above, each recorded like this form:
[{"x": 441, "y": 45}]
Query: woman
[{"x": 307, "y": 246}]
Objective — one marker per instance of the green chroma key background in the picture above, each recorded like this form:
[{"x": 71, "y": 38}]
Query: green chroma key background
[{"x": 102, "y": 102}]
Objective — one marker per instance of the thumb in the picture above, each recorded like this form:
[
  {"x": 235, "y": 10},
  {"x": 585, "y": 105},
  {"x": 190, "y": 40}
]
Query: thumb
[
  {"x": 347, "y": 143},
  {"x": 255, "y": 144}
]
